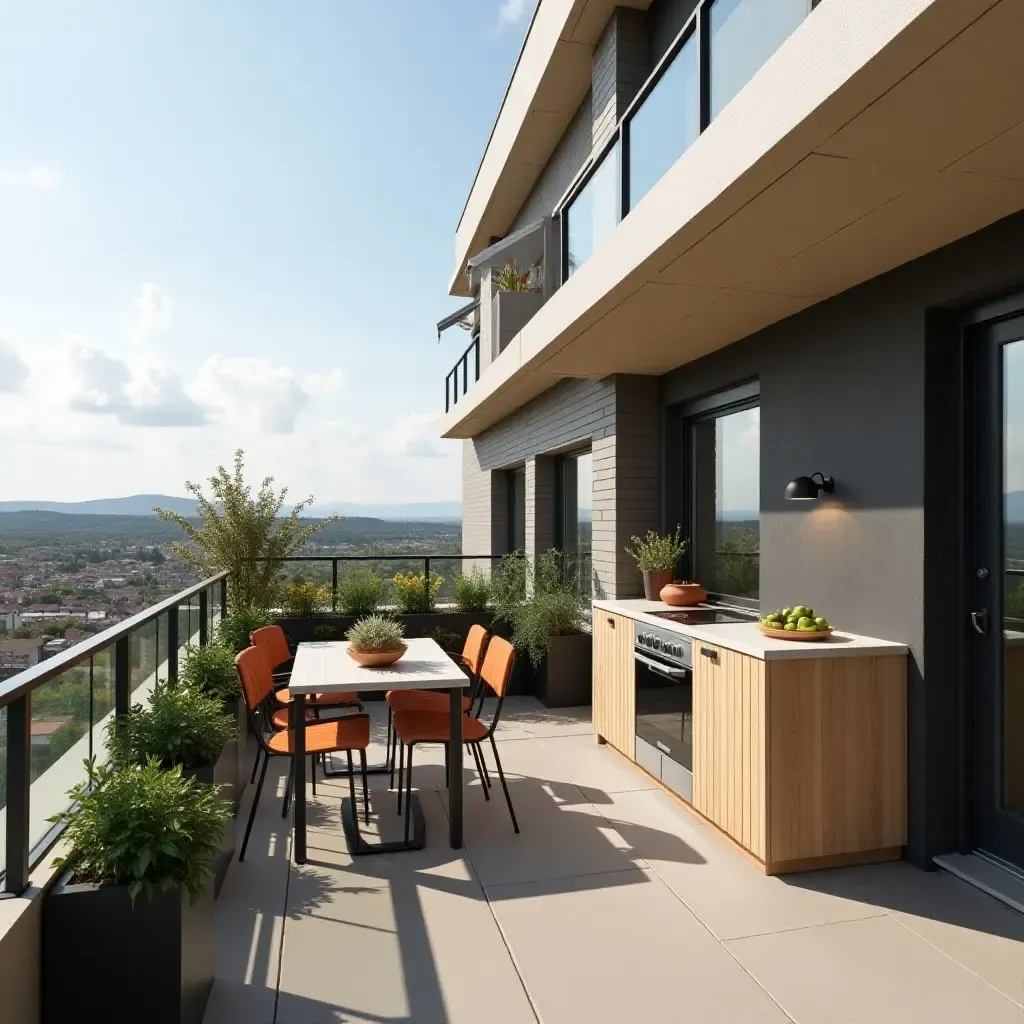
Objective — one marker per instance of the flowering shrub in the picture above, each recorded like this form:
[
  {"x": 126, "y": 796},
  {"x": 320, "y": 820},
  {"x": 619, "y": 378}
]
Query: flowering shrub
[
  {"x": 411, "y": 593},
  {"x": 303, "y": 598}
]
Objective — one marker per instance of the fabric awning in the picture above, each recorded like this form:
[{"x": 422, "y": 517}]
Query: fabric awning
[
  {"x": 457, "y": 317},
  {"x": 524, "y": 247}
]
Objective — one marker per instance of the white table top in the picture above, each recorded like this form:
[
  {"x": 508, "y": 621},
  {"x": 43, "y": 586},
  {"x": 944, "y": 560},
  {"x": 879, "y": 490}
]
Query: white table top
[{"x": 327, "y": 668}]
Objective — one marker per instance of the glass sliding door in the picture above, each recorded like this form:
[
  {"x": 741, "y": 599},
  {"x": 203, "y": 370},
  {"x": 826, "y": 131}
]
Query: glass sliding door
[
  {"x": 997, "y": 614},
  {"x": 575, "y": 512}
]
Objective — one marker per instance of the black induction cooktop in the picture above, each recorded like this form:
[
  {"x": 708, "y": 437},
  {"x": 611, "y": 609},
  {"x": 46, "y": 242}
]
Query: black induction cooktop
[{"x": 703, "y": 616}]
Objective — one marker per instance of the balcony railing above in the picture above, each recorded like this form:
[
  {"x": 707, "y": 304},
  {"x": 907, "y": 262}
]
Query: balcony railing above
[{"x": 459, "y": 374}]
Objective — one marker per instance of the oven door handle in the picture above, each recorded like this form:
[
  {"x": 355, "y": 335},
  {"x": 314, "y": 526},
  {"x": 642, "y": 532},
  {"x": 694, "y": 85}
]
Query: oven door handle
[{"x": 664, "y": 670}]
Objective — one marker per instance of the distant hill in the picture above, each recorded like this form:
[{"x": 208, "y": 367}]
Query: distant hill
[{"x": 142, "y": 505}]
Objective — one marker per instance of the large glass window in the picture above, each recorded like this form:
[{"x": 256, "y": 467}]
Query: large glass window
[
  {"x": 666, "y": 124},
  {"x": 725, "y": 498},
  {"x": 744, "y": 34},
  {"x": 574, "y": 508},
  {"x": 517, "y": 510},
  {"x": 593, "y": 214}
]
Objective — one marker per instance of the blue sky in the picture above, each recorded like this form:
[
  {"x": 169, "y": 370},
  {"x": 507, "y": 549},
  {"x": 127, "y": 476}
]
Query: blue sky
[{"x": 231, "y": 225}]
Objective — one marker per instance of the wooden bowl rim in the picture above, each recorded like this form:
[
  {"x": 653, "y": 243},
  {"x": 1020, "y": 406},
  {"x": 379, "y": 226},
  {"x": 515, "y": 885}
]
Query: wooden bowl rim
[{"x": 791, "y": 634}]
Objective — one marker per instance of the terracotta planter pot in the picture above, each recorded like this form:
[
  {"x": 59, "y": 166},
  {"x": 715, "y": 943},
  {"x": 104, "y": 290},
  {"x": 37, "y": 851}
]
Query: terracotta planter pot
[
  {"x": 682, "y": 595},
  {"x": 377, "y": 659},
  {"x": 654, "y": 581}
]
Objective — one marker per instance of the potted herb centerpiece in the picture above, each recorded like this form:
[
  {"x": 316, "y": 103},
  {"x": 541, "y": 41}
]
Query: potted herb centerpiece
[
  {"x": 128, "y": 930},
  {"x": 657, "y": 557},
  {"x": 182, "y": 727},
  {"x": 376, "y": 641},
  {"x": 211, "y": 669}
]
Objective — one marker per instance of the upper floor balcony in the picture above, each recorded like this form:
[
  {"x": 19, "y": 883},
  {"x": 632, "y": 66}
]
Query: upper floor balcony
[{"x": 778, "y": 154}]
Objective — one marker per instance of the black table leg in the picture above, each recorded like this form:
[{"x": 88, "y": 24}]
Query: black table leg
[
  {"x": 299, "y": 755},
  {"x": 454, "y": 768}
]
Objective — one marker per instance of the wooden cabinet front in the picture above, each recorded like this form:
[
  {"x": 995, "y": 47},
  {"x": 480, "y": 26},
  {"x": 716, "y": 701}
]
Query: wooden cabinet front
[
  {"x": 614, "y": 703},
  {"x": 728, "y": 743}
]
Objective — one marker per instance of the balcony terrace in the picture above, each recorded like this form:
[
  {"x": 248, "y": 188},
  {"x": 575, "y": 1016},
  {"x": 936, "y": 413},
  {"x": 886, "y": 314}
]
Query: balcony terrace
[{"x": 615, "y": 903}]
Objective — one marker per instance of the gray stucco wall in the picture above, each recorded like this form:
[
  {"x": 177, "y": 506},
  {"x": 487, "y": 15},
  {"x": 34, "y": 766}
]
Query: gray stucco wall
[
  {"x": 843, "y": 391},
  {"x": 617, "y": 417}
]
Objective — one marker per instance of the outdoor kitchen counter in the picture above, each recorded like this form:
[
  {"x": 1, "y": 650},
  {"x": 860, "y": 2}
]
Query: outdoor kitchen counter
[
  {"x": 745, "y": 638},
  {"x": 797, "y": 751}
]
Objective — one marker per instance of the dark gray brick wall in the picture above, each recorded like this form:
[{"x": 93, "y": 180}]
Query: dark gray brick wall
[
  {"x": 664, "y": 19},
  {"x": 621, "y": 64}
]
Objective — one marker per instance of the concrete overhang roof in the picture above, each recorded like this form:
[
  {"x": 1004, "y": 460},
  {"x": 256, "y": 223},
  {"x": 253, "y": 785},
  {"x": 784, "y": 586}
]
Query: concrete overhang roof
[
  {"x": 551, "y": 77},
  {"x": 880, "y": 131}
]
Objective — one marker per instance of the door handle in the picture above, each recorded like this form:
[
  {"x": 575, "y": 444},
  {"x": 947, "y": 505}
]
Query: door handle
[
  {"x": 709, "y": 652},
  {"x": 979, "y": 620}
]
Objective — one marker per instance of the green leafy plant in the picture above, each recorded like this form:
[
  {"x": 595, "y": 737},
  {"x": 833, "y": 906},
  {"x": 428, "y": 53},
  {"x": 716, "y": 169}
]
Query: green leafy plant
[
  {"x": 540, "y": 602},
  {"x": 360, "y": 593},
  {"x": 375, "y": 634},
  {"x": 242, "y": 533},
  {"x": 447, "y": 639},
  {"x": 472, "y": 591},
  {"x": 142, "y": 827},
  {"x": 412, "y": 594},
  {"x": 303, "y": 598},
  {"x": 657, "y": 552},
  {"x": 181, "y": 725},
  {"x": 511, "y": 279},
  {"x": 235, "y": 628},
  {"x": 211, "y": 669},
  {"x": 325, "y": 632}
]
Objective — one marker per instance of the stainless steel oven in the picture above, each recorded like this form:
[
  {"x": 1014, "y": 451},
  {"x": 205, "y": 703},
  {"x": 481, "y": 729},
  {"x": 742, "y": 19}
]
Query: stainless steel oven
[{"x": 664, "y": 706}]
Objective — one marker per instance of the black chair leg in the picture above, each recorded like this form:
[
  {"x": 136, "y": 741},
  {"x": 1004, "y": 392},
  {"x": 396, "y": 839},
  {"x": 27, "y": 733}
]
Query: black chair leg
[
  {"x": 352, "y": 789},
  {"x": 478, "y": 756},
  {"x": 391, "y": 749},
  {"x": 255, "y": 766},
  {"x": 501, "y": 776},
  {"x": 288, "y": 787},
  {"x": 312, "y": 771},
  {"x": 255, "y": 804},
  {"x": 366, "y": 788},
  {"x": 408, "y": 794},
  {"x": 447, "y": 780},
  {"x": 401, "y": 769},
  {"x": 485, "y": 774}
]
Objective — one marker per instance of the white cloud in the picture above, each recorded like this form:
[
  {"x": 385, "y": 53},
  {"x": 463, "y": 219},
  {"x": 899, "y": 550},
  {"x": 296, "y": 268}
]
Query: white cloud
[
  {"x": 250, "y": 389},
  {"x": 13, "y": 371},
  {"x": 512, "y": 12},
  {"x": 146, "y": 395},
  {"x": 323, "y": 383},
  {"x": 39, "y": 176},
  {"x": 154, "y": 310},
  {"x": 415, "y": 436}
]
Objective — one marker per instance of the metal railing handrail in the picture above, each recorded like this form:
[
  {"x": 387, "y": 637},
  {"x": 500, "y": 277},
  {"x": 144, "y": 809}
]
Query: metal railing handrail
[{"x": 32, "y": 678}]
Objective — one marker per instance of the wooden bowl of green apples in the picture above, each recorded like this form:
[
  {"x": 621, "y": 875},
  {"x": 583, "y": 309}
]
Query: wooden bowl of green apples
[{"x": 796, "y": 623}]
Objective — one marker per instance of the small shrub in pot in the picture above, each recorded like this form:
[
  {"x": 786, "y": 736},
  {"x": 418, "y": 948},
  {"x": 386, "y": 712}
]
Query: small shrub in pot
[
  {"x": 472, "y": 591},
  {"x": 234, "y": 630},
  {"x": 325, "y": 632},
  {"x": 211, "y": 669},
  {"x": 360, "y": 593},
  {"x": 412, "y": 594},
  {"x": 656, "y": 556},
  {"x": 302, "y": 599},
  {"x": 376, "y": 634}
]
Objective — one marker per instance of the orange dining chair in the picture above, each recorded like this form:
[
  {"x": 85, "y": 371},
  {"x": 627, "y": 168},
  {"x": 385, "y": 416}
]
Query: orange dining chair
[
  {"x": 349, "y": 733},
  {"x": 415, "y": 727},
  {"x": 271, "y": 640},
  {"x": 470, "y": 660}
]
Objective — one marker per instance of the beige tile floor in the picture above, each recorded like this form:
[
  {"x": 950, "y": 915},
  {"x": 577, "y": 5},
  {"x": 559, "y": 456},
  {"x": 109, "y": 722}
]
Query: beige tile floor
[{"x": 614, "y": 905}]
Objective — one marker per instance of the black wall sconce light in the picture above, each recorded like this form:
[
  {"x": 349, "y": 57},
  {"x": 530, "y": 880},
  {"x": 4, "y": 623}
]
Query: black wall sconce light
[{"x": 809, "y": 488}]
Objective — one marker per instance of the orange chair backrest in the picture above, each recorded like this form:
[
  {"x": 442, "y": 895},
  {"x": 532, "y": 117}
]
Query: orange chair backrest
[
  {"x": 473, "y": 649},
  {"x": 498, "y": 662},
  {"x": 255, "y": 676},
  {"x": 273, "y": 643}
]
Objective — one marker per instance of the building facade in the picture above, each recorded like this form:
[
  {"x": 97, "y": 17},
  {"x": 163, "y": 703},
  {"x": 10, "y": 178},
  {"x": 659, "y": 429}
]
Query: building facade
[{"x": 766, "y": 240}]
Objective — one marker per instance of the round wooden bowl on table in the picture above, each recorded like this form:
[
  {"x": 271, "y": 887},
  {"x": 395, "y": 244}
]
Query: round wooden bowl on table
[
  {"x": 795, "y": 634},
  {"x": 377, "y": 659}
]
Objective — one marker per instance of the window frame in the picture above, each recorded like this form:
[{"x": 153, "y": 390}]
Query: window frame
[
  {"x": 690, "y": 414},
  {"x": 561, "y": 461},
  {"x": 511, "y": 475}
]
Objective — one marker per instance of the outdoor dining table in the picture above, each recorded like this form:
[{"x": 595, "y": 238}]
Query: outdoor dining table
[{"x": 325, "y": 667}]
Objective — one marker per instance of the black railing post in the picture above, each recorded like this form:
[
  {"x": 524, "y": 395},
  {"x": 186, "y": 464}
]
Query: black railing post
[
  {"x": 122, "y": 675},
  {"x": 476, "y": 352},
  {"x": 334, "y": 584},
  {"x": 19, "y": 778},
  {"x": 426, "y": 582},
  {"x": 172, "y": 643},
  {"x": 223, "y": 597},
  {"x": 204, "y": 617}
]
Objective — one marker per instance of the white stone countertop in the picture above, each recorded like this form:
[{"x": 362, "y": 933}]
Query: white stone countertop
[{"x": 745, "y": 638}]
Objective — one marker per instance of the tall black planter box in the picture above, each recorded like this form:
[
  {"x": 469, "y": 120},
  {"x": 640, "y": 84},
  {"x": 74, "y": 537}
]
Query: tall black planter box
[
  {"x": 105, "y": 960},
  {"x": 234, "y": 755},
  {"x": 564, "y": 677},
  {"x": 224, "y": 774}
]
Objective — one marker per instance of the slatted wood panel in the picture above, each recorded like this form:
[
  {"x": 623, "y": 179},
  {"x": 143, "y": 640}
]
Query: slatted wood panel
[
  {"x": 614, "y": 690},
  {"x": 728, "y": 754},
  {"x": 836, "y": 756}
]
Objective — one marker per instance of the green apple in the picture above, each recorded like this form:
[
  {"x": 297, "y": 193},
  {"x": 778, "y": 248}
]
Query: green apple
[
  {"x": 803, "y": 622},
  {"x": 821, "y": 622},
  {"x": 789, "y": 625}
]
